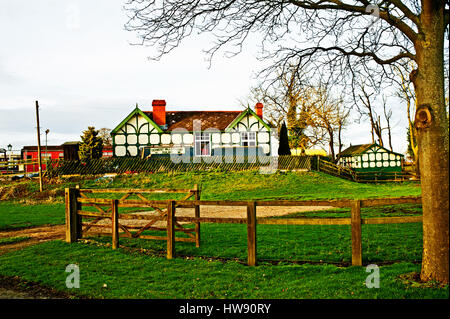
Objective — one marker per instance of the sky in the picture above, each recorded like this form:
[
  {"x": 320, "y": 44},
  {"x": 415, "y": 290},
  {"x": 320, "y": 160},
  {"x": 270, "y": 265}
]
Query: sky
[{"x": 76, "y": 59}]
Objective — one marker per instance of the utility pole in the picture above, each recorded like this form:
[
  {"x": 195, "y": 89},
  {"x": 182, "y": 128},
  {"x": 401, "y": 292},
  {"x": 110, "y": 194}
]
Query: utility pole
[
  {"x": 46, "y": 133},
  {"x": 39, "y": 147}
]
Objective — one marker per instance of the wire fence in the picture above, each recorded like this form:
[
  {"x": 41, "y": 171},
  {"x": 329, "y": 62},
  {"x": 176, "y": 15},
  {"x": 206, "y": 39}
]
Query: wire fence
[{"x": 166, "y": 164}]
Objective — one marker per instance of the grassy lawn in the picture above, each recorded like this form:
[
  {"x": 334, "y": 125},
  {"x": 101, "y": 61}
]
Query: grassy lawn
[
  {"x": 223, "y": 185},
  {"x": 15, "y": 215},
  {"x": 22, "y": 205},
  {"x": 105, "y": 273},
  {"x": 300, "y": 243},
  {"x": 217, "y": 269},
  {"x": 13, "y": 240},
  {"x": 253, "y": 185}
]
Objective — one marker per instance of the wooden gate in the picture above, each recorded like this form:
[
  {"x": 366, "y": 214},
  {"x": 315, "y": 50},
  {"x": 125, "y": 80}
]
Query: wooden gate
[{"x": 79, "y": 222}]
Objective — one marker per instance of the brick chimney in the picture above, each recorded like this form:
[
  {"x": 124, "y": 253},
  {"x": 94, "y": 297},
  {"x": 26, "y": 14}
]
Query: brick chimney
[
  {"x": 259, "y": 109},
  {"x": 159, "y": 112}
]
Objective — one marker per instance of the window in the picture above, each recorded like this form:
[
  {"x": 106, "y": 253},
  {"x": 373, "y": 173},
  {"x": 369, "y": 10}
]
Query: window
[
  {"x": 248, "y": 138},
  {"x": 202, "y": 144}
]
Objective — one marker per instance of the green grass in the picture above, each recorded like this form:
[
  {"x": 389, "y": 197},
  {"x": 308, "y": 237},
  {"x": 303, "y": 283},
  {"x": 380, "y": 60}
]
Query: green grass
[
  {"x": 225, "y": 185},
  {"x": 298, "y": 243},
  {"x": 15, "y": 215},
  {"x": 139, "y": 269},
  {"x": 32, "y": 208},
  {"x": 12, "y": 240},
  {"x": 253, "y": 185},
  {"x": 319, "y": 243},
  {"x": 134, "y": 275}
]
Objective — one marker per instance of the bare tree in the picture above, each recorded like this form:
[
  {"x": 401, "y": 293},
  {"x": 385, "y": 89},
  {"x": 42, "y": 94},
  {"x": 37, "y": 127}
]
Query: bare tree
[
  {"x": 105, "y": 134},
  {"x": 328, "y": 114},
  {"x": 346, "y": 40},
  {"x": 406, "y": 92},
  {"x": 287, "y": 97},
  {"x": 367, "y": 110},
  {"x": 342, "y": 122},
  {"x": 387, "y": 117}
]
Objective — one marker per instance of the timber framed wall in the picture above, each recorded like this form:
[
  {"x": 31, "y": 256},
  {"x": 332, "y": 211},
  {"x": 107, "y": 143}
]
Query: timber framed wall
[
  {"x": 137, "y": 130},
  {"x": 373, "y": 158}
]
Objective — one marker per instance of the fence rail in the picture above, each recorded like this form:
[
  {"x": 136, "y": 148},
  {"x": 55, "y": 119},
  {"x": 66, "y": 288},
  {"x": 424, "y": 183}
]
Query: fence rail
[
  {"x": 380, "y": 176},
  {"x": 26, "y": 167},
  {"x": 77, "y": 198},
  {"x": 166, "y": 211},
  {"x": 364, "y": 177},
  {"x": 336, "y": 170}
]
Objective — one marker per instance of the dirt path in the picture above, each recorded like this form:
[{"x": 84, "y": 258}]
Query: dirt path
[
  {"x": 215, "y": 211},
  {"x": 36, "y": 235},
  {"x": 241, "y": 212},
  {"x": 17, "y": 288},
  {"x": 46, "y": 233}
]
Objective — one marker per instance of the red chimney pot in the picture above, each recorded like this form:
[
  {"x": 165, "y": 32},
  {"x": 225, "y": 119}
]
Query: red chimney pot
[
  {"x": 259, "y": 109},
  {"x": 159, "y": 112}
]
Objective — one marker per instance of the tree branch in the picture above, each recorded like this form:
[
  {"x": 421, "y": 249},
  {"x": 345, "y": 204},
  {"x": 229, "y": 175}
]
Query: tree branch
[
  {"x": 341, "y": 6},
  {"x": 401, "y": 55}
]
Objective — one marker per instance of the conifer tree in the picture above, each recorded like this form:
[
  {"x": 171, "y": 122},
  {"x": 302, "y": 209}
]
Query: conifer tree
[
  {"x": 283, "y": 149},
  {"x": 91, "y": 145}
]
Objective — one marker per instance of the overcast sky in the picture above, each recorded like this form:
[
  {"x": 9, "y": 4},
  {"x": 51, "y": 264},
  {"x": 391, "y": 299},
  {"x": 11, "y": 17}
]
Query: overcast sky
[{"x": 75, "y": 58}]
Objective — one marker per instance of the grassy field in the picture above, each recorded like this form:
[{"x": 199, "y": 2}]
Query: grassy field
[
  {"x": 220, "y": 185},
  {"x": 14, "y": 215},
  {"x": 217, "y": 269},
  {"x": 22, "y": 205},
  {"x": 316, "y": 244},
  {"x": 106, "y": 273}
]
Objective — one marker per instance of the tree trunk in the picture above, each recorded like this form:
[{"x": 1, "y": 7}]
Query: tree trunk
[
  {"x": 331, "y": 144},
  {"x": 340, "y": 139},
  {"x": 433, "y": 142}
]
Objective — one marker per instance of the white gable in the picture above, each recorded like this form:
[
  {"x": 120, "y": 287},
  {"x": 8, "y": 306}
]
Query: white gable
[{"x": 249, "y": 123}]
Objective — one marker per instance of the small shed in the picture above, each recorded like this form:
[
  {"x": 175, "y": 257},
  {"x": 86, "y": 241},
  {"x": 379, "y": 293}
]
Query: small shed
[
  {"x": 71, "y": 150},
  {"x": 371, "y": 158}
]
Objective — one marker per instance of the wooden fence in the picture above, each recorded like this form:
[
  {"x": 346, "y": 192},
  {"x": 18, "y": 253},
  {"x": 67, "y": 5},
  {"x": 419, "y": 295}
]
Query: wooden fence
[
  {"x": 76, "y": 199},
  {"x": 335, "y": 170},
  {"x": 18, "y": 167},
  {"x": 361, "y": 177},
  {"x": 380, "y": 176}
]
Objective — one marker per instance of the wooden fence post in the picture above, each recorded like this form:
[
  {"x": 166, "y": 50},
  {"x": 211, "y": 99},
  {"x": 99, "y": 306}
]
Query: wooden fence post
[
  {"x": 115, "y": 223},
  {"x": 79, "y": 218},
  {"x": 197, "y": 215},
  {"x": 73, "y": 230},
  {"x": 170, "y": 229},
  {"x": 251, "y": 233},
  {"x": 356, "y": 233}
]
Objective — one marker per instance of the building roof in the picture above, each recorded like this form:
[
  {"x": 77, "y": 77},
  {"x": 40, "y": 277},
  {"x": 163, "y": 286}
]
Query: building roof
[
  {"x": 58, "y": 147},
  {"x": 355, "y": 149},
  {"x": 362, "y": 148},
  {"x": 209, "y": 119},
  {"x": 43, "y": 147},
  {"x": 71, "y": 143}
]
